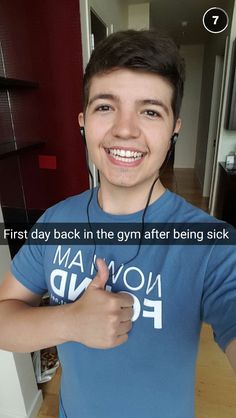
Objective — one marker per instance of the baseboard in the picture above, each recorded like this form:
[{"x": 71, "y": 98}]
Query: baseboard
[{"x": 32, "y": 413}]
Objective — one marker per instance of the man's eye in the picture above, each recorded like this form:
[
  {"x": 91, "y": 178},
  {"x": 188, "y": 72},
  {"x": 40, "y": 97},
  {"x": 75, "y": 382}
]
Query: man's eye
[
  {"x": 151, "y": 113},
  {"x": 103, "y": 108}
]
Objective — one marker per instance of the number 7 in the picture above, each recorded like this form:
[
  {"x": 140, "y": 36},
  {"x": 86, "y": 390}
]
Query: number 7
[{"x": 215, "y": 19}]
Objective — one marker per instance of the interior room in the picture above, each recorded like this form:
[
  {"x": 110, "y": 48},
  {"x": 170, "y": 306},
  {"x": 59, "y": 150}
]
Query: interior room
[{"x": 44, "y": 49}]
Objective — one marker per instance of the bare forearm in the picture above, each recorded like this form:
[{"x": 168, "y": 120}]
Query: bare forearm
[
  {"x": 231, "y": 354},
  {"x": 98, "y": 319},
  {"x": 24, "y": 328}
]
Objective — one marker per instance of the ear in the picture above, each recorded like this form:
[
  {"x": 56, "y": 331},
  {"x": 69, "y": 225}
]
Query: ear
[
  {"x": 81, "y": 120},
  {"x": 177, "y": 126},
  {"x": 176, "y": 130}
]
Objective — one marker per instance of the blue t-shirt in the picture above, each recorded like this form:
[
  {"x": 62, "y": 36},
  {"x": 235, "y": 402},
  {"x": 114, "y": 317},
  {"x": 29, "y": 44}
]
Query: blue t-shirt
[{"x": 175, "y": 288}]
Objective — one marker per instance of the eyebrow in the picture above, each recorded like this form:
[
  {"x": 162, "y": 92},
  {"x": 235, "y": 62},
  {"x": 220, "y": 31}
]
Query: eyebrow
[
  {"x": 108, "y": 96},
  {"x": 155, "y": 102}
]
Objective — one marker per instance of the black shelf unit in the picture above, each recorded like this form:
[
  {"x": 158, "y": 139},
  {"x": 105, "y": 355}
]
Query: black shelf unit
[
  {"x": 226, "y": 199},
  {"x": 8, "y": 149},
  {"x": 13, "y": 83},
  {"x": 12, "y": 150}
]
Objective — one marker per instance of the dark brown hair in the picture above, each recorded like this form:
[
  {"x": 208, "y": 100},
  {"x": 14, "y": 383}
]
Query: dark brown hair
[{"x": 143, "y": 50}]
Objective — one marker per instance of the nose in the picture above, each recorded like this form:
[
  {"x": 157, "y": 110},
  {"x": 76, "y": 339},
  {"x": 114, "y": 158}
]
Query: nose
[{"x": 126, "y": 125}]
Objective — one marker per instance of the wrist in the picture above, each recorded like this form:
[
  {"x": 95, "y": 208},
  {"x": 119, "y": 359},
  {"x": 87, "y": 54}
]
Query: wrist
[{"x": 69, "y": 323}]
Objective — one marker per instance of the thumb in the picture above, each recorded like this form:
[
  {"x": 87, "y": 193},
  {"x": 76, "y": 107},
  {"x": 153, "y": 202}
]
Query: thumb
[{"x": 102, "y": 275}]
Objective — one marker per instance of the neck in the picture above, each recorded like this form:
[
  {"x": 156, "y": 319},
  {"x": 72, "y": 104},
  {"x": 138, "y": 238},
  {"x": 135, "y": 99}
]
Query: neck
[{"x": 118, "y": 200}]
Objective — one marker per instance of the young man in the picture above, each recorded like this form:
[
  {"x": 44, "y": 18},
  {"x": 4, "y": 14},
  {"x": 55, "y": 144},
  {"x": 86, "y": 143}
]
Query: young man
[{"x": 127, "y": 334}]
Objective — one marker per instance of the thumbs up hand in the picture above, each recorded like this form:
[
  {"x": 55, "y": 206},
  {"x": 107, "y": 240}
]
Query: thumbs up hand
[
  {"x": 100, "y": 280},
  {"x": 101, "y": 319}
]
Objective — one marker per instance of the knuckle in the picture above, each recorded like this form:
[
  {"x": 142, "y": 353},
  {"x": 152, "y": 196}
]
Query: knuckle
[
  {"x": 111, "y": 339},
  {"x": 115, "y": 303},
  {"x": 130, "y": 325},
  {"x": 113, "y": 321},
  {"x": 131, "y": 312},
  {"x": 110, "y": 303},
  {"x": 127, "y": 297}
]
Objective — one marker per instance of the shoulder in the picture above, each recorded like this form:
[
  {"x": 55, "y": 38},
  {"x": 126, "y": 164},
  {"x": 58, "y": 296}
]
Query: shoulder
[
  {"x": 70, "y": 209},
  {"x": 183, "y": 211}
]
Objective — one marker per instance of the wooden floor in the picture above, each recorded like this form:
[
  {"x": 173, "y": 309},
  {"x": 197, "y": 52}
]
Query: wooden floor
[{"x": 215, "y": 380}]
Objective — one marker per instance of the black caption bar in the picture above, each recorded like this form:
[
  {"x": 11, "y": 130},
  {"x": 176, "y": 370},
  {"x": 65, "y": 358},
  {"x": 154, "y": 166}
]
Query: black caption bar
[{"x": 219, "y": 233}]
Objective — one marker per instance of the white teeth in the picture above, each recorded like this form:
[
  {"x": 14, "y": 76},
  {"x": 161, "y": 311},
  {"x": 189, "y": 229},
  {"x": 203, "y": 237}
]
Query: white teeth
[
  {"x": 126, "y": 160},
  {"x": 125, "y": 155}
]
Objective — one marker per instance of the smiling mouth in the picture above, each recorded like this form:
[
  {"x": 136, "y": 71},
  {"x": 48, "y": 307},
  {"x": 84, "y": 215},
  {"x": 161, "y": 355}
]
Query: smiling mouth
[{"x": 128, "y": 156}]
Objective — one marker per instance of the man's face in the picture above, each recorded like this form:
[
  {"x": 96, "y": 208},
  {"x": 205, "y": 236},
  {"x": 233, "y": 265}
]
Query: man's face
[{"x": 128, "y": 125}]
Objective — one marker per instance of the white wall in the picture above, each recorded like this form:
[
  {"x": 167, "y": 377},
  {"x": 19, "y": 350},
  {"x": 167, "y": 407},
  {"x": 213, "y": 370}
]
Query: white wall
[
  {"x": 213, "y": 47},
  {"x": 227, "y": 139},
  {"x": 186, "y": 146},
  {"x": 139, "y": 16},
  {"x": 19, "y": 395}
]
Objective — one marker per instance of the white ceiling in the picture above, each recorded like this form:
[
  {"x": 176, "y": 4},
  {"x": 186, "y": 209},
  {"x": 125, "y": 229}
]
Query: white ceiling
[{"x": 167, "y": 15}]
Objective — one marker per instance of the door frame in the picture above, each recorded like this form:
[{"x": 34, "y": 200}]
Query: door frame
[
  {"x": 214, "y": 179},
  {"x": 87, "y": 47},
  {"x": 213, "y": 132}
]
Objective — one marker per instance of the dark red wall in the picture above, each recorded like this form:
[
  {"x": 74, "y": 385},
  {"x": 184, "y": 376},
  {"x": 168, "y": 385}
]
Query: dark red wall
[{"x": 42, "y": 41}]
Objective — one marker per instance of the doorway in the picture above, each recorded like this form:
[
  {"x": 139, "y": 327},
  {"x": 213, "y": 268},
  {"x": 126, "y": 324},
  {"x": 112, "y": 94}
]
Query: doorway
[{"x": 98, "y": 28}]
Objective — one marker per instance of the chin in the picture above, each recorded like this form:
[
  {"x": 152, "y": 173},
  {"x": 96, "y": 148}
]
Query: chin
[{"x": 121, "y": 183}]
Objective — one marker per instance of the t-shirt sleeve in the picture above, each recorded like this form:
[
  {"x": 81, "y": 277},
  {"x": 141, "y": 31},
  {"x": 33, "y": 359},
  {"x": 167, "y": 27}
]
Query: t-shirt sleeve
[
  {"x": 28, "y": 265},
  {"x": 219, "y": 294},
  {"x": 27, "y": 268}
]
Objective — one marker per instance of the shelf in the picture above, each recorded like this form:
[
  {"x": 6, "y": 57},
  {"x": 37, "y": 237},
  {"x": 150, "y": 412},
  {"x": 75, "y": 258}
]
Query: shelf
[
  {"x": 8, "y": 149},
  {"x": 12, "y": 83},
  {"x": 225, "y": 207},
  {"x": 229, "y": 172}
]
